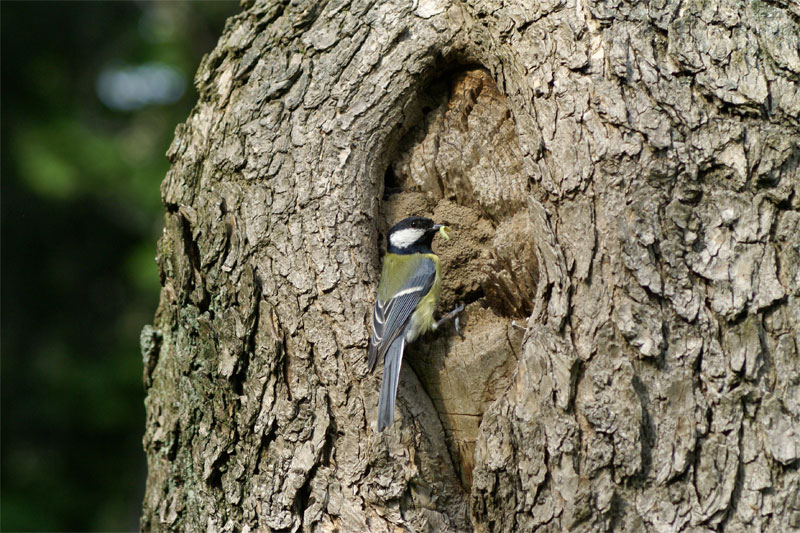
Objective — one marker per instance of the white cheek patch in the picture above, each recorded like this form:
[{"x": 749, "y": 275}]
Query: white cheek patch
[{"x": 405, "y": 237}]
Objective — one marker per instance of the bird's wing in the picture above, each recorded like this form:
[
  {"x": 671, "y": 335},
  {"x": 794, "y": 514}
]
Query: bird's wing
[{"x": 394, "y": 305}]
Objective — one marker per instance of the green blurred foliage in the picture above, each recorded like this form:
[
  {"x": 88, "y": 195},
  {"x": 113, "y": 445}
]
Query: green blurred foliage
[{"x": 81, "y": 214}]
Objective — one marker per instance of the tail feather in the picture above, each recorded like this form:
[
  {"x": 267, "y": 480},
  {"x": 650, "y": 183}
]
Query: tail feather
[{"x": 391, "y": 376}]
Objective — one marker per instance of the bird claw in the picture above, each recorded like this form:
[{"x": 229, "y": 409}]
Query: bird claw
[
  {"x": 453, "y": 315},
  {"x": 458, "y": 328}
]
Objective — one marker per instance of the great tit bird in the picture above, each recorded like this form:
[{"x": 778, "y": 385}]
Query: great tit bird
[{"x": 407, "y": 296}]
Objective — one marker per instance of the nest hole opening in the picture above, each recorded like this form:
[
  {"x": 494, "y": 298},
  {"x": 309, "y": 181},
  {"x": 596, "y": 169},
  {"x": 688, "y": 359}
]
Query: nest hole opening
[{"x": 458, "y": 162}]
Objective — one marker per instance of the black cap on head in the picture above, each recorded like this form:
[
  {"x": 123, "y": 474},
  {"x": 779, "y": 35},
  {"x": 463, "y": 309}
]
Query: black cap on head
[
  {"x": 413, "y": 222},
  {"x": 412, "y": 235}
]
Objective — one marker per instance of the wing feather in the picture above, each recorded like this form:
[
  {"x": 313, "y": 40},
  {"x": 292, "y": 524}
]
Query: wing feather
[{"x": 389, "y": 317}]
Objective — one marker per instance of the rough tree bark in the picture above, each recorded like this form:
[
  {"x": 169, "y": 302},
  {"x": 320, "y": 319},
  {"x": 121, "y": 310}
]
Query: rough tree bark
[{"x": 623, "y": 183}]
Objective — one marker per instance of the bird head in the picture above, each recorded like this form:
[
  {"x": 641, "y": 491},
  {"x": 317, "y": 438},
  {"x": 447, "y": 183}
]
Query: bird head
[{"x": 414, "y": 235}]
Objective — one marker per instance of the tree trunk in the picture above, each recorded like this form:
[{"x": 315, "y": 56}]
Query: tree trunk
[{"x": 623, "y": 184}]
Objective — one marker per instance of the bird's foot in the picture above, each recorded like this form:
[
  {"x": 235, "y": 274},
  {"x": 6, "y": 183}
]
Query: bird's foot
[{"x": 452, "y": 315}]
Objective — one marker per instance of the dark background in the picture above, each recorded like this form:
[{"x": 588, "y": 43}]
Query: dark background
[{"x": 91, "y": 94}]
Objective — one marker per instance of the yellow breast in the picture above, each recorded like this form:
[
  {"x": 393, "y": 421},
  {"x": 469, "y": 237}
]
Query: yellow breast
[{"x": 422, "y": 317}]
